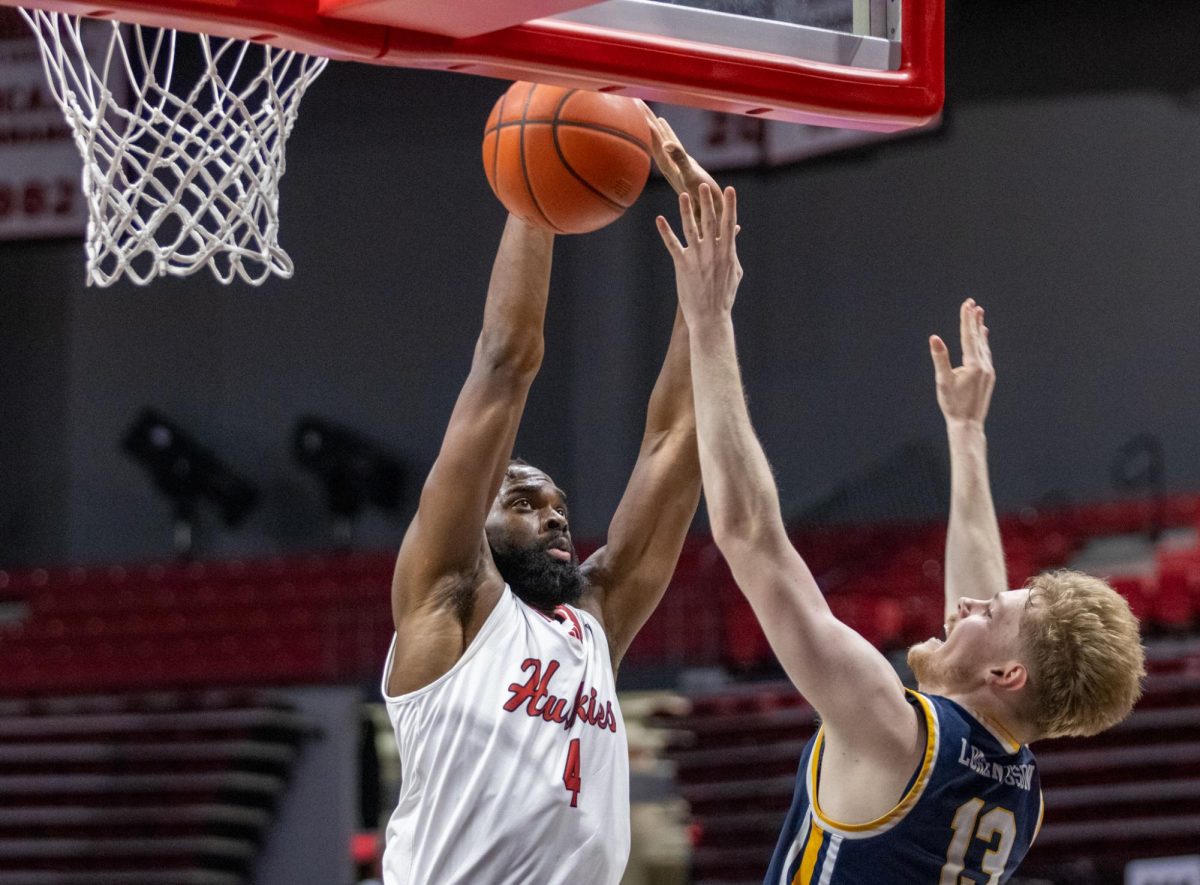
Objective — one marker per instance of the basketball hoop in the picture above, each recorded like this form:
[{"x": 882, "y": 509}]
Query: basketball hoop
[{"x": 185, "y": 174}]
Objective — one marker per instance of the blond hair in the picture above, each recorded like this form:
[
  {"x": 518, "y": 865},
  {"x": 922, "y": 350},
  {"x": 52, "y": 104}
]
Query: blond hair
[{"x": 1084, "y": 654}]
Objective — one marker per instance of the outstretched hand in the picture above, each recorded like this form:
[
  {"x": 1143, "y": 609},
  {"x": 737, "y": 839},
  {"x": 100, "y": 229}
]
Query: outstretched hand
[
  {"x": 964, "y": 393},
  {"x": 677, "y": 166},
  {"x": 707, "y": 270}
]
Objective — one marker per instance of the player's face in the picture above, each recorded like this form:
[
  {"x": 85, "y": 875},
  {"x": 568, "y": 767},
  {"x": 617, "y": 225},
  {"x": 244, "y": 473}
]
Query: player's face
[
  {"x": 982, "y": 635},
  {"x": 530, "y": 537}
]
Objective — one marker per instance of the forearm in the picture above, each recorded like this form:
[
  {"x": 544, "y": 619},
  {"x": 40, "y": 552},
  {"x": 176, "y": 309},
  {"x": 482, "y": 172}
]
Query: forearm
[
  {"x": 443, "y": 538},
  {"x": 974, "y": 553},
  {"x": 820, "y": 655},
  {"x": 743, "y": 503},
  {"x": 671, "y": 405},
  {"x": 514, "y": 315}
]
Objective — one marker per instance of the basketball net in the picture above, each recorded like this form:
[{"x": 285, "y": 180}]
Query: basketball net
[{"x": 184, "y": 175}]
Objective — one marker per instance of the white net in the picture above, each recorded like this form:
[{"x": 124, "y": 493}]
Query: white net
[{"x": 180, "y": 171}]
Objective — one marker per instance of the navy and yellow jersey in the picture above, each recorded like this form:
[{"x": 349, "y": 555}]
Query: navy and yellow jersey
[{"x": 968, "y": 814}]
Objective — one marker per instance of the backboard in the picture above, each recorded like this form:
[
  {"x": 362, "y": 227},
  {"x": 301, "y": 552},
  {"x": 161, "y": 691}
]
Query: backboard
[{"x": 863, "y": 64}]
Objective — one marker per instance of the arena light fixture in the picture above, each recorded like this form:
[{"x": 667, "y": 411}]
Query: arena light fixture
[
  {"x": 355, "y": 472},
  {"x": 187, "y": 473}
]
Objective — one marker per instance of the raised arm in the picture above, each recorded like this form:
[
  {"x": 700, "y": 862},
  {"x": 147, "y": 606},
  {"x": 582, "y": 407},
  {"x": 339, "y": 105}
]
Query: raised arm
[
  {"x": 444, "y": 548},
  {"x": 974, "y": 554},
  {"x": 647, "y": 531},
  {"x": 849, "y": 683}
]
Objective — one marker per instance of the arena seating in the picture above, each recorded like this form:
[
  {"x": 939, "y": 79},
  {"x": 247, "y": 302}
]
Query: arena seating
[
  {"x": 204, "y": 794},
  {"x": 326, "y": 619},
  {"x": 278, "y": 621},
  {"x": 886, "y": 580},
  {"x": 1131, "y": 792},
  {"x": 162, "y": 788}
]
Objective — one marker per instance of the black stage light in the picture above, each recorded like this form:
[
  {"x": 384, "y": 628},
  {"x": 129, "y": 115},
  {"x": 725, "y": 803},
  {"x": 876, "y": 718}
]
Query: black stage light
[
  {"x": 187, "y": 473},
  {"x": 354, "y": 471}
]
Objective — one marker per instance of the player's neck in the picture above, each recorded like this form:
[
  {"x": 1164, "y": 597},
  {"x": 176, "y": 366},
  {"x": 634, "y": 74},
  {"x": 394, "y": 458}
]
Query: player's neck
[{"x": 1003, "y": 724}]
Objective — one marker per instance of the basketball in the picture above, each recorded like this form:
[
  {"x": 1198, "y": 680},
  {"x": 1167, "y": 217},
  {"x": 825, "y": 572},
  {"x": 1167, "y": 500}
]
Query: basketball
[{"x": 567, "y": 160}]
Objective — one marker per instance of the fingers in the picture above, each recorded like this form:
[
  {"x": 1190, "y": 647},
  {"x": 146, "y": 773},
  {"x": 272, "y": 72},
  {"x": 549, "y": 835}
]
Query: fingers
[
  {"x": 979, "y": 343},
  {"x": 669, "y": 239},
  {"x": 977, "y": 353},
  {"x": 676, "y": 164},
  {"x": 729, "y": 222},
  {"x": 670, "y": 142},
  {"x": 708, "y": 213},
  {"x": 966, "y": 332},
  {"x": 684, "y": 162},
  {"x": 663, "y": 160},
  {"x": 704, "y": 222},
  {"x": 688, "y": 213},
  {"x": 656, "y": 139},
  {"x": 661, "y": 147},
  {"x": 656, "y": 122},
  {"x": 941, "y": 358},
  {"x": 985, "y": 349},
  {"x": 670, "y": 137}
]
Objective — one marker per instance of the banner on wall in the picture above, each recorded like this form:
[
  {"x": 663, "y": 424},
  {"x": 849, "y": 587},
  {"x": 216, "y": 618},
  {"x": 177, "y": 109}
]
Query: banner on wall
[
  {"x": 731, "y": 141},
  {"x": 40, "y": 168}
]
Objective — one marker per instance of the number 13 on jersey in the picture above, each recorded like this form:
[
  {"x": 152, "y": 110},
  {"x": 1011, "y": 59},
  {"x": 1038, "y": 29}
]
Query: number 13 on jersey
[
  {"x": 967, "y": 824},
  {"x": 571, "y": 772}
]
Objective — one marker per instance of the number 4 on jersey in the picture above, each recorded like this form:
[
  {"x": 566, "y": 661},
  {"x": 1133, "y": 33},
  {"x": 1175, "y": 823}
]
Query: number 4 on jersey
[{"x": 571, "y": 772}]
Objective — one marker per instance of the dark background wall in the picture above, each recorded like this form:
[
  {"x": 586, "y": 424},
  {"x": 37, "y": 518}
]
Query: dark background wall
[{"x": 1063, "y": 193}]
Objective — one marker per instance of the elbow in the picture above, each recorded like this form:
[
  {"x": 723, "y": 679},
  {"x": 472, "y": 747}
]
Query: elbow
[
  {"x": 742, "y": 530},
  {"x": 748, "y": 525},
  {"x": 726, "y": 528},
  {"x": 517, "y": 354}
]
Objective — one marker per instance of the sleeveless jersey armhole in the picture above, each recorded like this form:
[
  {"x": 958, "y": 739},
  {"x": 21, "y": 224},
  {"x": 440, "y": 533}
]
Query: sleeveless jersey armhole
[
  {"x": 912, "y": 793},
  {"x": 503, "y": 605}
]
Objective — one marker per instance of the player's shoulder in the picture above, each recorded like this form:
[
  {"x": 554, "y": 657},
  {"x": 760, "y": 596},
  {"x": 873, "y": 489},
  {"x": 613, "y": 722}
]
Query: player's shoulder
[
  {"x": 595, "y": 577},
  {"x": 944, "y": 709},
  {"x": 890, "y": 736},
  {"x": 948, "y": 712},
  {"x": 948, "y": 718},
  {"x": 458, "y": 593}
]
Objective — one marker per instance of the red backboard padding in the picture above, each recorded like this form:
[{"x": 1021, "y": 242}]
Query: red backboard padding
[{"x": 577, "y": 55}]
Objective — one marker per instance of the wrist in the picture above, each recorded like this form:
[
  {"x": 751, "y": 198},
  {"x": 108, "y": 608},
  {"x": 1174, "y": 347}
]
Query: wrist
[
  {"x": 965, "y": 430},
  {"x": 709, "y": 324},
  {"x": 525, "y": 229}
]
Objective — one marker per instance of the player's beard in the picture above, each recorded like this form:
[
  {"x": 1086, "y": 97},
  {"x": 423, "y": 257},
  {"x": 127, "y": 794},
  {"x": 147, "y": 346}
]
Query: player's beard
[
  {"x": 935, "y": 674},
  {"x": 538, "y": 579}
]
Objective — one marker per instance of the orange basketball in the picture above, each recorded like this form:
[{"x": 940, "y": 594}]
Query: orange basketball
[{"x": 566, "y": 160}]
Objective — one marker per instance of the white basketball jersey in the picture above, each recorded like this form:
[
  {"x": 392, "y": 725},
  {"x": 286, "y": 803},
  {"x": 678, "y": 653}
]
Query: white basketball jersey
[{"x": 514, "y": 764}]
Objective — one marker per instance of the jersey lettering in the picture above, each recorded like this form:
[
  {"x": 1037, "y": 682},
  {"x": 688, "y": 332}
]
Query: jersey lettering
[
  {"x": 1009, "y": 775},
  {"x": 534, "y": 695}
]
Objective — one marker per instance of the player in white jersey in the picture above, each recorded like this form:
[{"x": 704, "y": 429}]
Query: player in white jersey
[{"x": 500, "y": 682}]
